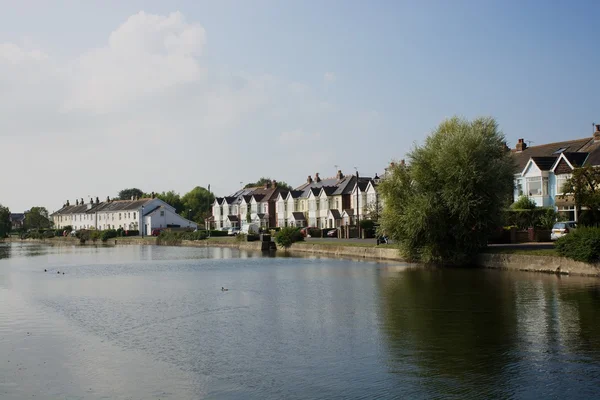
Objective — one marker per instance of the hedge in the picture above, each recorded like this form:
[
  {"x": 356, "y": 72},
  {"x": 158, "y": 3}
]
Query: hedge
[
  {"x": 538, "y": 217},
  {"x": 582, "y": 244},
  {"x": 216, "y": 233}
]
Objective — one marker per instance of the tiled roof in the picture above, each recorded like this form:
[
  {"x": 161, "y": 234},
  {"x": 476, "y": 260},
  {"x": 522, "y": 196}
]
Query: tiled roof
[
  {"x": 576, "y": 159},
  {"x": 233, "y": 218},
  {"x": 298, "y": 216},
  {"x": 548, "y": 150},
  {"x": 544, "y": 163},
  {"x": 329, "y": 190},
  {"x": 336, "y": 214},
  {"x": 122, "y": 205}
]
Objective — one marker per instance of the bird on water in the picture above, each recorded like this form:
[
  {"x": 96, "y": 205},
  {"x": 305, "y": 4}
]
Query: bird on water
[{"x": 223, "y": 289}]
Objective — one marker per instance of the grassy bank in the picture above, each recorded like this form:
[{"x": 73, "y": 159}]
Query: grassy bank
[{"x": 525, "y": 251}]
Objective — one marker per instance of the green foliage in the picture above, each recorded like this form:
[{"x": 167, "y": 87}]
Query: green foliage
[
  {"x": 37, "y": 218},
  {"x": 173, "y": 199},
  {"x": 368, "y": 226},
  {"x": 538, "y": 217},
  {"x": 447, "y": 202},
  {"x": 199, "y": 201},
  {"x": 5, "y": 224},
  {"x": 582, "y": 244},
  {"x": 170, "y": 238},
  {"x": 524, "y": 203},
  {"x": 584, "y": 184},
  {"x": 83, "y": 235},
  {"x": 288, "y": 236},
  {"x": 241, "y": 237},
  {"x": 263, "y": 180},
  {"x": 215, "y": 233},
  {"x": 126, "y": 194},
  {"x": 107, "y": 234}
]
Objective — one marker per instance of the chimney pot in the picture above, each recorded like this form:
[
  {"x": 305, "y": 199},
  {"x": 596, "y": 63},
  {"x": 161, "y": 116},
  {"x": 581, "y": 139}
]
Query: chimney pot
[
  {"x": 521, "y": 145},
  {"x": 108, "y": 199},
  {"x": 309, "y": 179},
  {"x": 76, "y": 202},
  {"x": 317, "y": 178},
  {"x": 597, "y": 134}
]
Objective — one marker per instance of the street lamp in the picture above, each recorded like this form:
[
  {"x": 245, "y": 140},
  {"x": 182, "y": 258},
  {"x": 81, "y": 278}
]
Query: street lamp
[
  {"x": 357, "y": 209},
  {"x": 143, "y": 225}
]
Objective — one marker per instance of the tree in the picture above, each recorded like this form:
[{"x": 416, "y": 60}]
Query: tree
[
  {"x": 288, "y": 236},
  {"x": 126, "y": 194},
  {"x": 199, "y": 201},
  {"x": 172, "y": 198},
  {"x": 523, "y": 203},
  {"x": 263, "y": 180},
  {"x": 37, "y": 218},
  {"x": 584, "y": 184},
  {"x": 448, "y": 200},
  {"x": 5, "y": 224}
]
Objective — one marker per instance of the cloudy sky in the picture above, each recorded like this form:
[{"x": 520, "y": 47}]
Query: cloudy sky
[{"x": 97, "y": 96}]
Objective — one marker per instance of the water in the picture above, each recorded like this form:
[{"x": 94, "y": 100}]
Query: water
[{"x": 152, "y": 323}]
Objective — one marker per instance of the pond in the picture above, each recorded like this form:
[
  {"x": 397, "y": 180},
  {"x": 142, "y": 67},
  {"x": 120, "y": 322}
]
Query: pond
[{"x": 150, "y": 322}]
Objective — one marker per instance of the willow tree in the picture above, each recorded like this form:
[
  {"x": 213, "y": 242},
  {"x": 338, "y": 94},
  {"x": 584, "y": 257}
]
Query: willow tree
[{"x": 442, "y": 206}]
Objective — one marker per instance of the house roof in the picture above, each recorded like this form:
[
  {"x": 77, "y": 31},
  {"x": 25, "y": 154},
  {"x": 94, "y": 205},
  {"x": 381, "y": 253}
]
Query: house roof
[
  {"x": 122, "y": 205},
  {"x": 258, "y": 197},
  {"x": 329, "y": 190},
  {"x": 348, "y": 211},
  {"x": 17, "y": 217},
  {"x": 233, "y": 218},
  {"x": 262, "y": 215},
  {"x": 544, "y": 163},
  {"x": 576, "y": 159},
  {"x": 335, "y": 214},
  {"x": 548, "y": 150},
  {"x": 298, "y": 216}
]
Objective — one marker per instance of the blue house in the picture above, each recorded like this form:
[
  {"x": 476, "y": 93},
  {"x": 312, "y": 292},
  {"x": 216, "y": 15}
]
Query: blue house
[{"x": 543, "y": 170}]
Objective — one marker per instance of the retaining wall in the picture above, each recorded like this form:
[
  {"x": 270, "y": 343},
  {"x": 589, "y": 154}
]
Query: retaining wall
[{"x": 522, "y": 262}]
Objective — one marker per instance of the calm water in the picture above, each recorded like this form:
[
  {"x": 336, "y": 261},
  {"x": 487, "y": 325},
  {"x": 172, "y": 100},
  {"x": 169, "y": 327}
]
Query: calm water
[{"x": 152, "y": 323}]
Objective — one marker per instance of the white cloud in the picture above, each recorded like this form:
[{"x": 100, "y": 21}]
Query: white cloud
[
  {"x": 146, "y": 55},
  {"x": 13, "y": 54},
  {"x": 298, "y": 135},
  {"x": 329, "y": 77}
]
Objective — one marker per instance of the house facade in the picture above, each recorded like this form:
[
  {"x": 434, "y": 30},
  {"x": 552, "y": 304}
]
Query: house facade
[
  {"x": 145, "y": 213},
  {"x": 17, "y": 220},
  {"x": 543, "y": 170}
]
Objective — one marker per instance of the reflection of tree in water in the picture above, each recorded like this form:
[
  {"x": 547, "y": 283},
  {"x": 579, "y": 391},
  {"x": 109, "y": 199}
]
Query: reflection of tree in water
[
  {"x": 497, "y": 334},
  {"x": 450, "y": 331},
  {"x": 4, "y": 250}
]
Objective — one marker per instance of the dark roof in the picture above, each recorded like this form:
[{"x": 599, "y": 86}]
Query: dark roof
[
  {"x": 315, "y": 190},
  {"x": 298, "y": 216},
  {"x": 258, "y": 197},
  {"x": 219, "y": 200},
  {"x": 336, "y": 214},
  {"x": 576, "y": 159},
  {"x": 362, "y": 185},
  {"x": 329, "y": 190},
  {"x": 295, "y": 193},
  {"x": 548, "y": 150},
  {"x": 233, "y": 218},
  {"x": 544, "y": 163},
  {"x": 17, "y": 217},
  {"x": 261, "y": 215},
  {"x": 284, "y": 193},
  {"x": 349, "y": 211},
  {"x": 247, "y": 197},
  {"x": 122, "y": 205},
  {"x": 229, "y": 199},
  {"x": 78, "y": 209}
]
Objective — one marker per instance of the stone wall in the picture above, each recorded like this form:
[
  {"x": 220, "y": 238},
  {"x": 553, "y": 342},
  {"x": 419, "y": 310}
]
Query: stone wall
[
  {"x": 384, "y": 253},
  {"x": 522, "y": 262}
]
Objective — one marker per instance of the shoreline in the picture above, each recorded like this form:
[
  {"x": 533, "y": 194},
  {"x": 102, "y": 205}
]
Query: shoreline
[{"x": 508, "y": 262}]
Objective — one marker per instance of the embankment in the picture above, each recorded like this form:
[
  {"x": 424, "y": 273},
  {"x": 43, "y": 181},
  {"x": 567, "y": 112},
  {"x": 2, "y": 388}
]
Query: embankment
[{"x": 523, "y": 262}]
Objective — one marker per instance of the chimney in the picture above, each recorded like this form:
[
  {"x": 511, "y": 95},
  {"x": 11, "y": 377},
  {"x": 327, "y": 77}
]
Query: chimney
[
  {"x": 97, "y": 200},
  {"x": 309, "y": 179},
  {"x": 91, "y": 200},
  {"x": 68, "y": 204},
  {"x": 521, "y": 145},
  {"x": 597, "y": 134},
  {"x": 82, "y": 202},
  {"x": 339, "y": 175},
  {"x": 132, "y": 197},
  {"x": 274, "y": 183},
  {"x": 153, "y": 195},
  {"x": 266, "y": 185},
  {"x": 317, "y": 179},
  {"x": 76, "y": 202},
  {"x": 108, "y": 199}
]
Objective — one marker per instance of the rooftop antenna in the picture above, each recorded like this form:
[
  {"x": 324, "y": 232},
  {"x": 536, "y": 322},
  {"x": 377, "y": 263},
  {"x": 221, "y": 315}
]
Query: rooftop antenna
[{"x": 529, "y": 142}]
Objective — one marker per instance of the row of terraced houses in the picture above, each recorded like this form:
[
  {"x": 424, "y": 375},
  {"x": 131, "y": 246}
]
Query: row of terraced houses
[{"x": 319, "y": 202}]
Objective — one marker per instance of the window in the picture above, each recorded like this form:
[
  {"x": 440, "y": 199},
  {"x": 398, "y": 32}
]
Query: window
[
  {"x": 562, "y": 149},
  {"x": 162, "y": 213},
  {"x": 119, "y": 218},
  {"x": 133, "y": 215},
  {"x": 520, "y": 187},
  {"x": 534, "y": 186},
  {"x": 561, "y": 180}
]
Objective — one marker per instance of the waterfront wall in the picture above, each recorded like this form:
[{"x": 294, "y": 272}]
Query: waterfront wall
[
  {"x": 384, "y": 253},
  {"x": 522, "y": 262}
]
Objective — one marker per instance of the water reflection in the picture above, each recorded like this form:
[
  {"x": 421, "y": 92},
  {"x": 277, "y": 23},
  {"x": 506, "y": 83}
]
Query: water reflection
[{"x": 465, "y": 331}]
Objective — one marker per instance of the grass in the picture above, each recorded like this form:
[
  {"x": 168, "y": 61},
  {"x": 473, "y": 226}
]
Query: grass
[{"x": 527, "y": 252}]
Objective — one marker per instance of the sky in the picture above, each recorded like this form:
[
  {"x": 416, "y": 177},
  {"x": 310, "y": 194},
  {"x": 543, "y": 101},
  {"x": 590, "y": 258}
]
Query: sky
[{"x": 98, "y": 96}]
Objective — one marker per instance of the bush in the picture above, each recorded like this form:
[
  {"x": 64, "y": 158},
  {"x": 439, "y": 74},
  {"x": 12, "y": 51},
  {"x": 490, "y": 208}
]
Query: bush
[
  {"x": 95, "y": 235},
  {"x": 215, "y": 233},
  {"x": 252, "y": 237},
  {"x": 241, "y": 237},
  {"x": 524, "y": 203},
  {"x": 131, "y": 233},
  {"x": 288, "y": 236},
  {"x": 582, "y": 244},
  {"x": 538, "y": 217},
  {"x": 108, "y": 234},
  {"x": 368, "y": 226},
  {"x": 198, "y": 235}
]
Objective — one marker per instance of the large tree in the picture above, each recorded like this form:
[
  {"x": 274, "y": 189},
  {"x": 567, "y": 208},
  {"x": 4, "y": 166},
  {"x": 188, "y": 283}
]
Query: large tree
[
  {"x": 37, "y": 218},
  {"x": 264, "y": 180},
  {"x": 126, "y": 194},
  {"x": 584, "y": 184},
  {"x": 199, "y": 201},
  {"x": 172, "y": 198},
  {"x": 446, "y": 202},
  {"x": 5, "y": 224}
]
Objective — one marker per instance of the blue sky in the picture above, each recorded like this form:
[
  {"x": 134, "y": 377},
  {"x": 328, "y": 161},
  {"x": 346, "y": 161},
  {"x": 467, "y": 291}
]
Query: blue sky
[{"x": 277, "y": 88}]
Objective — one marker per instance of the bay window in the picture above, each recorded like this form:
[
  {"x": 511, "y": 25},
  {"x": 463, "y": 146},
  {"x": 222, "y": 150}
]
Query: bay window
[{"x": 561, "y": 180}]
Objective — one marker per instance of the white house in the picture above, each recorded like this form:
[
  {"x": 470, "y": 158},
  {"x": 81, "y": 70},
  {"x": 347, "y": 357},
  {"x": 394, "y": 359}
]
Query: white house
[{"x": 150, "y": 213}]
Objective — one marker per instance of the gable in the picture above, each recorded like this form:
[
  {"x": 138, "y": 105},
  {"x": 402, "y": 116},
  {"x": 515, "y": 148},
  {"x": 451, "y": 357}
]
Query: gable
[
  {"x": 531, "y": 169},
  {"x": 562, "y": 167}
]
